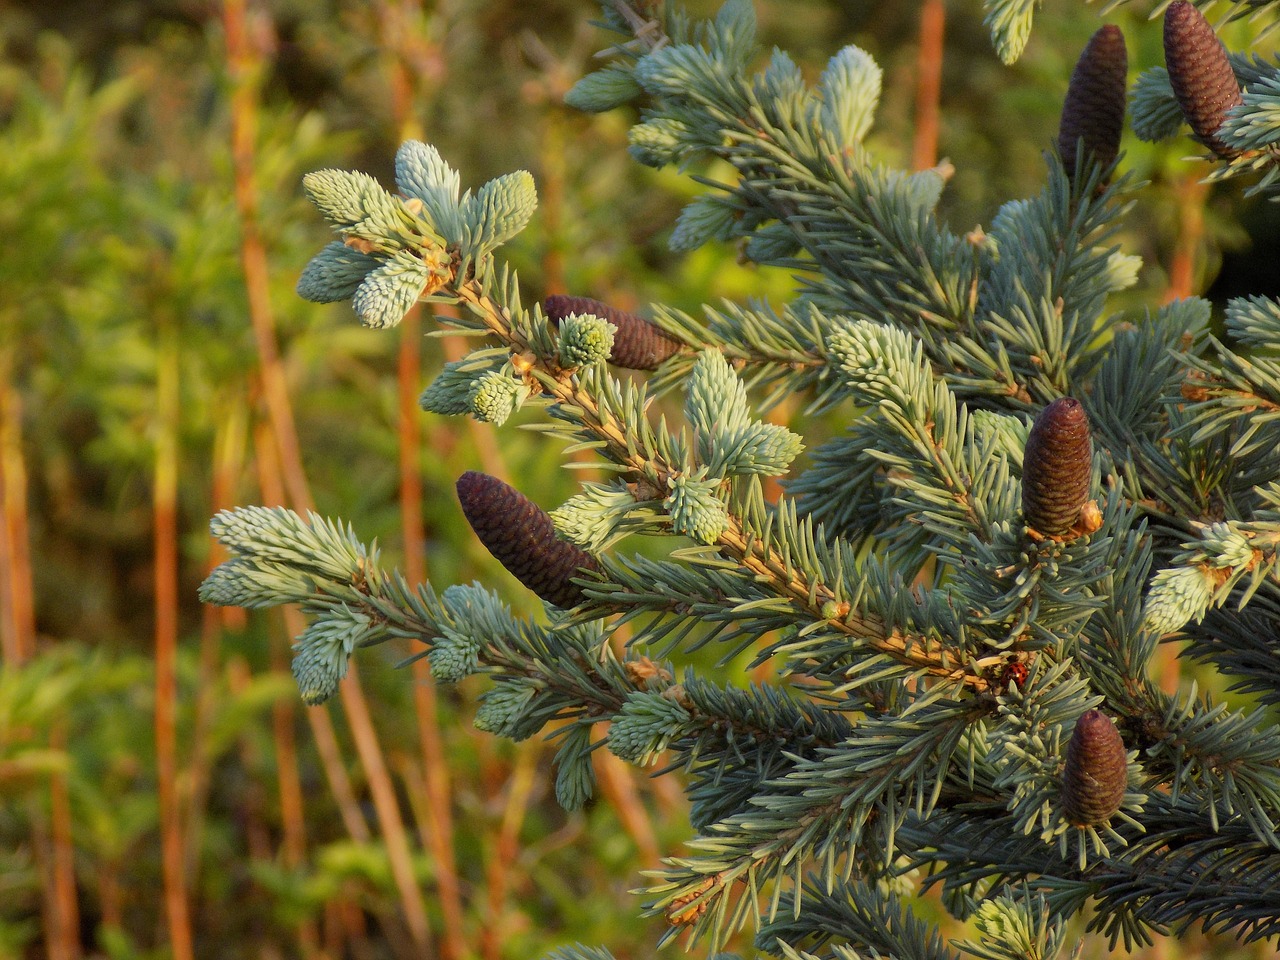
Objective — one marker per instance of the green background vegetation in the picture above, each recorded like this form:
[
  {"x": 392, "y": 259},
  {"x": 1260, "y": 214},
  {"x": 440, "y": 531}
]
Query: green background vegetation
[{"x": 150, "y": 159}]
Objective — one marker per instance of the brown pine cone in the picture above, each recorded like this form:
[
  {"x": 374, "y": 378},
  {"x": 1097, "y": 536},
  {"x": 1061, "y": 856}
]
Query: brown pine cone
[
  {"x": 637, "y": 345},
  {"x": 1094, "y": 108},
  {"x": 1057, "y": 466},
  {"x": 1096, "y": 771},
  {"x": 1200, "y": 74},
  {"x": 522, "y": 537}
]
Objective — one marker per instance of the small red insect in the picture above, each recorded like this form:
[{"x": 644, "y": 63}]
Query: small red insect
[{"x": 1015, "y": 671}]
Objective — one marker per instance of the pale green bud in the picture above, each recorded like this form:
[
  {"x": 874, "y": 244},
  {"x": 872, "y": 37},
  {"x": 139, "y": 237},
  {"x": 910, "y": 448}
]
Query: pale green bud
[
  {"x": 850, "y": 87},
  {"x": 499, "y": 210},
  {"x": 645, "y": 726},
  {"x": 585, "y": 339},
  {"x": 504, "y": 710},
  {"x": 603, "y": 90},
  {"x": 658, "y": 142},
  {"x": 1225, "y": 546},
  {"x": 695, "y": 509},
  {"x": 709, "y": 217},
  {"x": 765, "y": 449},
  {"x": 1007, "y": 434},
  {"x": 495, "y": 396},
  {"x": 596, "y": 517},
  {"x": 389, "y": 292},
  {"x": 252, "y": 583},
  {"x": 455, "y": 655},
  {"x": 422, "y": 174},
  {"x": 355, "y": 203},
  {"x": 1122, "y": 271},
  {"x": 324, "y": 648},
  {"x": 1178, "y": 595},
  {"x": 450, "y": 392},
  {"x": 335, "y": 273},
  {"x": 771, "y": 243}
]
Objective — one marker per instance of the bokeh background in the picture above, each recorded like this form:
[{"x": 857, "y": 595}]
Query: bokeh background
[{"x": 163, "y": 793}]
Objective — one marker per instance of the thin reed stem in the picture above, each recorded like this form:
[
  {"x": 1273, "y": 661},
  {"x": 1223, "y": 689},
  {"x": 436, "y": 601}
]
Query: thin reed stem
[
  {"x": 245, "y": 68},
  {"x": 501, "y": 860},
  {"x": 165, "y": 504},
  {"x": 924, "y": 147},
  {"x": 17, "y": 593}
]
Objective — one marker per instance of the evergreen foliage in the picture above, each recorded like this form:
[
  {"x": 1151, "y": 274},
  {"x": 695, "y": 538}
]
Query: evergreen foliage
[{"x": 955, "y": 594}]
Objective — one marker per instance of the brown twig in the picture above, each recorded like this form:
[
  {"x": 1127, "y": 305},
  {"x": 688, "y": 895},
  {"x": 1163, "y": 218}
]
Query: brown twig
[
  {"x": 63, "y": 853},
  {"x": 326, "y": 740}
]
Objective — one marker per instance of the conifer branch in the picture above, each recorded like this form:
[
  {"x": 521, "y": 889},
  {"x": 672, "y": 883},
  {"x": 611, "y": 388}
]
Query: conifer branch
[{"x": 961, "y": 593}]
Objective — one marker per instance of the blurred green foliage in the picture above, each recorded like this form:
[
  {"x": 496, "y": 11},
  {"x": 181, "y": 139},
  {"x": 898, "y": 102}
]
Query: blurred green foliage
[{"x": 119, "y": 220}]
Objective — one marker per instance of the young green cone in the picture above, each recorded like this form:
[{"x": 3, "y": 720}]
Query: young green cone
[
  {"x": 522, "y": 537},
  {"x": 1096, "y": 771},
  {"x": 1200, "y": 74},
  {"x": 637, "y": 344},
  {"x": 1056, "y": 468},
  {"x": 1094, "y": 107}
]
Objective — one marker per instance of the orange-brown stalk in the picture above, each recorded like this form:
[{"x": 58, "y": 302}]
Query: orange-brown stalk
[
  {"x": 245, "y": 69},
  {"x": 924, "y": 147}
]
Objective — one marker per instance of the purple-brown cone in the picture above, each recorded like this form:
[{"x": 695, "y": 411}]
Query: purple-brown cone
[
  {"x": 637, "y": 344},
  {"x": 521, "y": 536},
  {"x": 1094, "y": 108},
  {"x": 1096, "y": 772},
  {"x": 1200, "y": 74},
  {"x": 1056, "y": 468}
]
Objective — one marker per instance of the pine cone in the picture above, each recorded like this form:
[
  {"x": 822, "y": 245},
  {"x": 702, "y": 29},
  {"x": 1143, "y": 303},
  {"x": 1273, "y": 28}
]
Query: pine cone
[
  {"x": 1096, "y": 771},
  {"x": 521, "y": 536},
  {"x": 638, "y": 344},
  {"x": 1094, "y": 108},
  {"x": 1200, "y": 74},
  {"x": 1056, "y": 468}
]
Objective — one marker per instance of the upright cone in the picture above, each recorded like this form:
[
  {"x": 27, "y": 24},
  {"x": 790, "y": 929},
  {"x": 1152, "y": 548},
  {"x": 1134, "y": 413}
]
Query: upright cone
[
  {"x": 1094, "y": 107},
  {"x": 1096, "y": 771},
  {"x": 1200, "y": 74},
  {"x": 521, "y": 536},
  {"x": 1056, "y": 468},
  {"x": 637, "y": 344}
]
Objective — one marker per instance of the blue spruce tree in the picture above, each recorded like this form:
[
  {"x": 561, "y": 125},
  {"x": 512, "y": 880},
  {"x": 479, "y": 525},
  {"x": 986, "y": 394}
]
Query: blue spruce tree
[{"x": 962, "y": 591}]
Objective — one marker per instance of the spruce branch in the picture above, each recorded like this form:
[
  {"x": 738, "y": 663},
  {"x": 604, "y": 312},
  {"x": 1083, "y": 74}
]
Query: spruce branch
[
  {"x": 953, "y": 620},
  {"x": 852, "y": 914}
]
